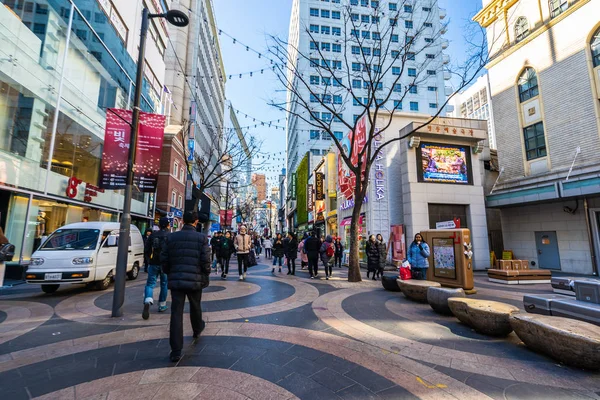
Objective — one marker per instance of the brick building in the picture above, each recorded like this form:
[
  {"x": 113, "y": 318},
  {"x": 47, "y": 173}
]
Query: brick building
[
  {"x": 170, "y": 195},
  {"x": 545, "y": 87},
  {"x": 259, "y": 181}
]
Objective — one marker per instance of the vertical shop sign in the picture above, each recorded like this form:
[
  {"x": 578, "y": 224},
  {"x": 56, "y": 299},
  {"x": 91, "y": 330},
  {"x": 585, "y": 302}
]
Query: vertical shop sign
[
  {"x": 380, "y": 168},
  {"x": 398, "y": 240},
  {"x": 293, "y": 186},
  {"x": 355, "y": 140},
  {"x": 113, "y": 174},
  {"x": 319, "y": 186},
  {"x": 310, "y": 203}
]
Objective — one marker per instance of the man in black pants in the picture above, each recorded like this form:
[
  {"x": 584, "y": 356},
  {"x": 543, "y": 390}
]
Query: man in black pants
[
  {"x": 185, "y": 258},
  {"x": 311, "y": 247}
]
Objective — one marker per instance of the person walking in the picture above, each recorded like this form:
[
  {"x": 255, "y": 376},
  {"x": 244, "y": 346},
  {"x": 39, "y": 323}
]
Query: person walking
[
  {"x": 147, "y": 234},
  {"x": 224, "y": 253},
  {"x": 268, "y": 245},
  {"x": 152, "y": 250},
  {"x": 381, "y": 246},
  {"x": 372, "y": 256},
  {"x": 242, "y": 245},
  {"x": 312, "y": 247},
  {"x": 185, "y": 258},
  {"x": 418, "y": 253},
  {"x": 303, "y": 255},
  {"x": 215, "y": 244},
  {"x": 292, "y": 253},
  {"x": 326, "y": 252},
  {"x": 278, "y": 252},
  {"x": 257, "y": 248},
  {"x": 339, "y": 252}
]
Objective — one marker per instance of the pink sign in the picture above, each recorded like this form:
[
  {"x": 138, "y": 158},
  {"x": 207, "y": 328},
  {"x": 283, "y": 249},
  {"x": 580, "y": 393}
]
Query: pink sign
[
  {"x": 346, "y": 178},
  {"x": 113, "y": 173}
]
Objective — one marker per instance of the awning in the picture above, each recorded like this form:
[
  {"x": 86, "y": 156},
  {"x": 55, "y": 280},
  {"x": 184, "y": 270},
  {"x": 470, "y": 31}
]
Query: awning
[{"x": 348, "y": 220}]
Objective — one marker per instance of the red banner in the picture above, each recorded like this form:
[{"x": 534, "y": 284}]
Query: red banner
[
  {"x": 346, "y": 178},
  {"x": 113, "y": 173},
  {"x": 226, "y": 218},
  {"x": 148, "y": 151}
]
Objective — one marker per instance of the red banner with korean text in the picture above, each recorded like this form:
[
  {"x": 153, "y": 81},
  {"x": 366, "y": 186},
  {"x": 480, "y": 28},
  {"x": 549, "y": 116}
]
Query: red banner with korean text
[{"x": 113, "y": 173}]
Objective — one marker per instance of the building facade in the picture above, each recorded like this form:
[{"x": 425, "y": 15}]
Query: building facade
[
  {"x": 320, "y": 35},
  {"x": 545, "y": 86},
  {"x": 475, "y": 102},
  {"x": 62, "y": 64},
  {"x": 259, "y": 181},
  {"x": 195, "y": 78}
]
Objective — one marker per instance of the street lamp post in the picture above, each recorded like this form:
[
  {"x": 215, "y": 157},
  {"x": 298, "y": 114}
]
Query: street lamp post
[{"x": 177, "y": 18}]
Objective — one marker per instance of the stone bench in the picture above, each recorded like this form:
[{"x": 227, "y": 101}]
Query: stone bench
[
  {"x": 485, "y": 316},
  {"x": 575, "y": 343},
  {"x": 438, "y": 298},
  {"x": 390, "y": 283},
  {"x": 416, "y": 289}
]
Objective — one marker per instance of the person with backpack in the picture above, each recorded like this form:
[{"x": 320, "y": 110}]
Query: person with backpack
[
  {"x": 311, "y": 247},
  {"x": 326, "y": 252},
  {"x": 224, "y": 254},
  {"x": 152, "y": 250}
]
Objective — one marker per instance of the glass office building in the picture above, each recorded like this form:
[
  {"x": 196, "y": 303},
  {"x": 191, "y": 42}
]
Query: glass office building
[{"x": 62, "y": 64}]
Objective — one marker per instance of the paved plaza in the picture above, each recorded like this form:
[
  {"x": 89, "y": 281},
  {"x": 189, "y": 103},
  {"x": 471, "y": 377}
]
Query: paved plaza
[{"x": 282, "y": 337}]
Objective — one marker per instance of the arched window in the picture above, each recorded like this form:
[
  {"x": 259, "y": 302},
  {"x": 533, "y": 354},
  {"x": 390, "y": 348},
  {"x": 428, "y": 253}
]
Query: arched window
[
  {"x": 595, "y": 47},
  {"x": 528, "y": 85},
  {"x": 521, "y": 28},
  {"x": 557, "y": 7}
]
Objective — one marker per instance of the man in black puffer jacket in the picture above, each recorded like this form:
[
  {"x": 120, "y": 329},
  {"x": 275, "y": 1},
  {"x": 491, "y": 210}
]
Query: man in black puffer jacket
[{"x": 185, "y": 257}]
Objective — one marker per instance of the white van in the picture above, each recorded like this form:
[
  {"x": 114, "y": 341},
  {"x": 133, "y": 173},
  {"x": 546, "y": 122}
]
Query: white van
[{"x": 83, "y": 253}]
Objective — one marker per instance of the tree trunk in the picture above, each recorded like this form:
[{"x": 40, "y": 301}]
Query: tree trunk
[{"x": 354, "y": 259}]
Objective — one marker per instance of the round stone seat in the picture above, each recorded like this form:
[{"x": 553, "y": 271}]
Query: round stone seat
[
  {"x": 416, "y": 289},
  {"x": 485, "y": 316},
  {"x": 390, "y": 283},
  {"x": 437, "y": 298},
  {"x": 575, "y": 343}
]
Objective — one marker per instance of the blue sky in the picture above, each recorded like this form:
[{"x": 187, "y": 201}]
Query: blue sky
[{"x": 251, "y": 22}]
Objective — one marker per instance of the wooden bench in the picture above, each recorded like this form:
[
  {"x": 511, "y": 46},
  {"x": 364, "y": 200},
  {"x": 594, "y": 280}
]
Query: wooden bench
[{"x": 519, "y": 277}]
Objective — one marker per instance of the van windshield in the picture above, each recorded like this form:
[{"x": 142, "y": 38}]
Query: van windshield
[{"x": 72, "y": 239}]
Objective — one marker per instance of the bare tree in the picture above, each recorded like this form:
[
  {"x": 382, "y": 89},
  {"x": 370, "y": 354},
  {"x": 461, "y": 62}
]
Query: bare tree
[
  {"x": 227, "y": 155},
  {"x": 374, "y": 66}
]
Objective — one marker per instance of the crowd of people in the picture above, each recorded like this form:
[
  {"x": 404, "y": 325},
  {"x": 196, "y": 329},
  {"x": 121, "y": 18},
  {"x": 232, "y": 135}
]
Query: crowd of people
[{"x": 182, "y": 262}]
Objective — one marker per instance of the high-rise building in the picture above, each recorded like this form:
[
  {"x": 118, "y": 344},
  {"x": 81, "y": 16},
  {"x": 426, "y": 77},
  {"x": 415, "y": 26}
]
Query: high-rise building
[
  {"x": 475, "y": 102},
  {"x": 321, "y": 34},
  {"x": 259, "y": 181},
  {"x": 544, "y": 74},
  {"x": 195, "y": 78}
]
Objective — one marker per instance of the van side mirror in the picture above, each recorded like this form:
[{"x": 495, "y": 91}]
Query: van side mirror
[{"x": 112, "y": 241}]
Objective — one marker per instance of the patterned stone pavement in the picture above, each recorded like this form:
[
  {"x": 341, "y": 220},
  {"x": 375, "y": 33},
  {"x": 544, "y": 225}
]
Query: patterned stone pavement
[{"x": 270, "y": 337}]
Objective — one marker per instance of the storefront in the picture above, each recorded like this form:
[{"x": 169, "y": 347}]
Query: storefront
[
  {"x": 51, "y": 148},
  {"x": 345, "y": 235},
  {"x": 434, "y": 175}
]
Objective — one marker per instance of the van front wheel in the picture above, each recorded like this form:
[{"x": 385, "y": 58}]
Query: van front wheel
[
  {"x": 133, "y": 274},
  {"x": 50, "y": 288},
  {"x": 104, "y": 283}
]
